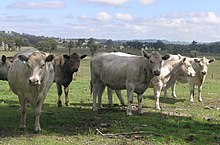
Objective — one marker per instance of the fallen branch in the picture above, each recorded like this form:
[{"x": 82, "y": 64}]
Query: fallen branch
[{"x": 127, "y": 133}]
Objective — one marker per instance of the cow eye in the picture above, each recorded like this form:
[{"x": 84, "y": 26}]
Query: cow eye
[
  {"x": 42, "y": 65},
  {"x": 151, "y": 61}
]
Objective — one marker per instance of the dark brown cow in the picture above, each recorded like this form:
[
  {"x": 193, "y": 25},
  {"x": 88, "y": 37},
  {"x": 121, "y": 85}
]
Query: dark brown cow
[
  {"x": 64, "y": 67},
  {"x": 4, "y": 66}
]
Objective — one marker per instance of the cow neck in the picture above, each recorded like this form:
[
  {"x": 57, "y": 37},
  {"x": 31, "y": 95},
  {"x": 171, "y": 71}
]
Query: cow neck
[
  {"x": 67, "y": 75},
  {"x": 173, "y": 75},
  {"x": 149, "y": 75}
]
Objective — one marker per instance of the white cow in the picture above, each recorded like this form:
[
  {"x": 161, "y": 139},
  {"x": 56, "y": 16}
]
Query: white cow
[
  {"x": 30, "y": 78},
  {"x": 170, "y": 72},
  {"x": 200, "y": 65},
  {"x": 132, "y": 73}
]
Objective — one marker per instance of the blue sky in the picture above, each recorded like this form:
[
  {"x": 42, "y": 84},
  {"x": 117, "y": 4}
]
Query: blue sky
[{"x": 174, "y": 20}]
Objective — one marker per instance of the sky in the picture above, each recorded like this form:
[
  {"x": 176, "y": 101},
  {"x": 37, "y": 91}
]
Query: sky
[{"x": 173, "y": 20}]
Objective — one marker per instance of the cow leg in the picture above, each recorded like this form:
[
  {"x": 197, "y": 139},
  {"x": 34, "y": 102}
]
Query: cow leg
[
  {"x": 102, "y": 89},
  {"x": 130, "y": 91},
  {"x": 192, "y": 88},
  {"x": 174, "y": 90},
  {"x": 110, "y": 97},
  {"x": 23, "y": 103},
  {"x": 165, "y": 93},
  {"x": 139, "y": 97},
  {"x": 37, "y": 116},
  {"x": 200, "y": 93},
  {"x": 157, "y": 90},
  {"x": 59, "y": 91},
  {"x": 96, "y": 92},
  {"x": 66, "y": 91},
  {"x": 118, "y": 93}
]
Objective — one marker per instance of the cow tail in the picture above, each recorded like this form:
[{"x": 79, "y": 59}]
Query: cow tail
[{"x": 91, "y": 87}]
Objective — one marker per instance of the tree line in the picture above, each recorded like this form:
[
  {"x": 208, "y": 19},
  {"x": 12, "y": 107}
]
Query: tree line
[{"x": 14, "y": 41}]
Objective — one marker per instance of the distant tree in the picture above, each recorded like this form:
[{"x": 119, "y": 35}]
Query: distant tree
[
  {"x": 80, "y": 43},
  {"x": 109, "y": 43},
  {"x": 1, "y": 40},
  {"x": 18, "y": 42},
  {"x": 52, "y": 44},
  {"x": 93, "y": 46},
  {"x": 10, "y": 41},
  {"x": 71, "y": 44},
  {"x": 42, "y": 45}
]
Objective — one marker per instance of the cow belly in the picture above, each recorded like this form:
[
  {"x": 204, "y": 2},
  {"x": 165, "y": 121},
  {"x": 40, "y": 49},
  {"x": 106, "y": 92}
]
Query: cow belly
[{"x": 114, "y": 82}]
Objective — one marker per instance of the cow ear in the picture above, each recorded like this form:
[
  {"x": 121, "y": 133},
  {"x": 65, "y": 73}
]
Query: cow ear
[
  {"x": 3, "y": 58},
  {"x": 83, "y": 56},
  {"x": 184, "y": 59},
  {"x": 23, "y": 58},
  {"x": 196, "y": 60},
  {"x": 179, "y": 56},
  {"x": 49, "y": 58},
  {"x": 66, "y": 56},
  {"x": 165, "y": 57},
  {"x": 145, "y": 54},
  {"x": 211, "y": 60}
]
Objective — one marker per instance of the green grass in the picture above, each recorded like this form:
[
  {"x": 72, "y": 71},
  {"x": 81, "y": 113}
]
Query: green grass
[{"x": 179, "y": 122}]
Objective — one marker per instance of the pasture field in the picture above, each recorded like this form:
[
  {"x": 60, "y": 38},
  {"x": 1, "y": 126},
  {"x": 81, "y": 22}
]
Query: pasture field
[{"x": 179, "y": 121}]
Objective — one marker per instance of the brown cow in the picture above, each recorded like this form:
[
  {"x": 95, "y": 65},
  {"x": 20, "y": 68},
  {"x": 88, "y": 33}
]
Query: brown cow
[
  {"x": 4, "y": 66},
  {"x": 64, "y": 67}
]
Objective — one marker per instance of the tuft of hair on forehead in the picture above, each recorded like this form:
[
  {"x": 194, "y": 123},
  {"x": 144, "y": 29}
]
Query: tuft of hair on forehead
[
  {"x": 155, "y": 54},
  {"x": 74, "y": 55}
]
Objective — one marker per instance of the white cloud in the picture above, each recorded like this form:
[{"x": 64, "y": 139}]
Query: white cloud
[
  {"x": 125, "y": 17},
  {"x": 37, "y": 5},
  {"x": 103, "y": 16},
  {"x": 147, "y": 2},
  {"x": 107, "y": 2}
]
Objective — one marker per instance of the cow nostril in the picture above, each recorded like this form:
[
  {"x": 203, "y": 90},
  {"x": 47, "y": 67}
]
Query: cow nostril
[
  {"x": 204, "y": 73},
  {"x": 156, "y": 72}
]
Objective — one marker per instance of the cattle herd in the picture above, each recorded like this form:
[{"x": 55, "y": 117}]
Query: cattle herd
[{"x": 30, "y": 75}]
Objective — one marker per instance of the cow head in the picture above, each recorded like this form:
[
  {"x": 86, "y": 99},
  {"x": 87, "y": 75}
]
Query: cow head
[
  {"x": 187, "y": 68},
  {"x": 203, "y": 64},
  {"x": 155, "y": 61},
  {"x": 36, "y": 63},
  {"x": 4, "y": 67},
  {"x": 72, "y": 61}
]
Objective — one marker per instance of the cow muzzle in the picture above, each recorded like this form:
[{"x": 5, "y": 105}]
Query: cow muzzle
[
  {"x": 34, "y": 82},
  {"x": 204, "y": 72},
  {"x": 156, "y": 72},
  {"x": 75, "y": 69}
]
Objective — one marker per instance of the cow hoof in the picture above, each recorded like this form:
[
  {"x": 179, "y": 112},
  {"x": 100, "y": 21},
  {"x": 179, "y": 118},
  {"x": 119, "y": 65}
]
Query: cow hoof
[
  {"x": 22, "y": 129},
  {"x": 95, "y": 109},
  {"x": 158, "y": 108},
  {"x": 191, "y": 101},
  {"x": 37, "y": 132},
  {"x": 174, "y": 96},
  {"x": 141, "y": 113},
  {"x": 59, "y": 104},
  {"x": 67, "y": 103},
  {"x": 129, "y": 114},
  {"x": 200, "y": 100}
]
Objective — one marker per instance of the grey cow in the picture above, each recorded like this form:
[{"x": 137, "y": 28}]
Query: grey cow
[
  {"x": 132, "y": 73},
  {"x": 30, "y": 77}
]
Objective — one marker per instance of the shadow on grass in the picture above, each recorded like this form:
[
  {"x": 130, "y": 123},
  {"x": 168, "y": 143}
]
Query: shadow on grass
[
  {"x": 166, "y": 100},
  {"x": 69, "y": 121}
]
